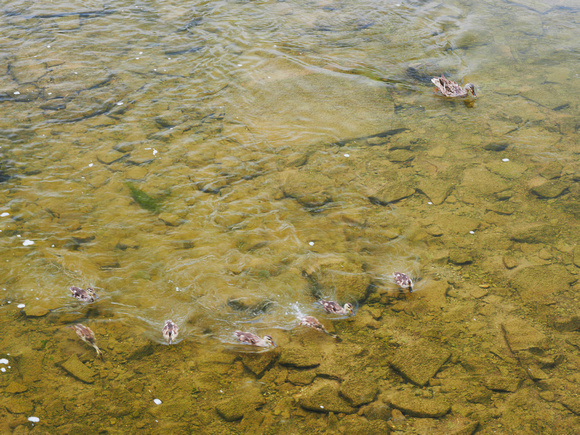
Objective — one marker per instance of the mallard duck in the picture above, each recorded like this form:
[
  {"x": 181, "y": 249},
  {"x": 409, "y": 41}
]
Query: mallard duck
[
  {"x": 87, "y": 295},
  {"x": 254, "y": 340},
  {"x": 88, "y": 336},
  {"x": 312, "y": 322},
  {"x": 403, "y": 280},
  {"x": 449, "y": 88},
  {"x": 335, "y": 308},
  {"x": 170, "y": 331}
]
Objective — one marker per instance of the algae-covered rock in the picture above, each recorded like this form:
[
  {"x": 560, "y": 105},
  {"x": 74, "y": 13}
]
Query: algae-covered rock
[
  {"x": 534, "y": 233},
  {"x": 143, "y": 199},
  {"x": 480, "y": 181},
  {"x": 436, "y": 190},
  {"x": 538, "y": 283},
  {"x": 16, "y": 387},
  {"x": 360, "y": 390},
  {"x": 417, "y": 406},
  {"x": 502, "y": 383},
  {"x": 550, "y": 189},
  {"x": 419, "y": 361},
  {"x": 520, "y": 335},
  {"x": 323, "y": 396},
  {"x": 393, "y": 192},
  {"x": 301, "y": 377},
  {"x": 345, "y": 279},
  {"x": 460, "y": 256},
  {"x": 257, "y": 363},
  {"x": 295, "y": 355},
  {"x": 36, "y": 311},
  {"x": 77, "y": 369},
  {"x": 309, "y": 188},
  {"x": 18, "y": 405},
  {"x": 245, "y": 400}
]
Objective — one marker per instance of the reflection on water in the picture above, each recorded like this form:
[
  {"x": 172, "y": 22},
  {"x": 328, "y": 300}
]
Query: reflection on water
[{"x": 228, "y": 164}]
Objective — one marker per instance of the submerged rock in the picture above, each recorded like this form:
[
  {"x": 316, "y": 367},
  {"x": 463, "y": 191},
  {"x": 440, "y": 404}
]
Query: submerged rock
[
  {"x": 520, "y": 335},
  {"x": 244, "y": 401},
  {"x": 416, "y": 406},
  {"x": 257, "y": 363},
  {"x": 295, "y": 355},
  {"x": 310, "y": 189},
  {"x": 323, "y": 396},
  {"x": 536, "y": 284},
  {"x": 419, "y": 361},
  {"x": 502, "y": 383},
  {"x": 359, "y": 391},
  {"x": 77, "y": 369}
]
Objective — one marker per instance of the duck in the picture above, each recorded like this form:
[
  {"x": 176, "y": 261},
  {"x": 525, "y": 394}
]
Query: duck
[
  {"x": 88, "y": 336},
  {"x": 170, "y": 331},
  {"x": 451, "y": 89},
  {"x": 403, "y": 280},
  {"x": 335, "y": 308},
  {"x": 82, "y": 295},
  {"x": 254, "y": 340},
  {"x": 314, "y": 323}
]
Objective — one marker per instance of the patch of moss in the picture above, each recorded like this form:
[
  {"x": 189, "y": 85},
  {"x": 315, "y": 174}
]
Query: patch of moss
[{"x": 144, "y": 200}]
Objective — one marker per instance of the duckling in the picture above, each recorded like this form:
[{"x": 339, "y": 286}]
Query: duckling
[
  {"x": 335, "y": 308},
  {"x": 403, "y": 280},
  {"x": 449, "y": 88},
  {"x": 170, "y": 331},
  {"x": 254, "y": 340},
  {"x": 88, "y": 336},
  {"x": 312, "y": 322},
  {"x": 87, "y": 295}
]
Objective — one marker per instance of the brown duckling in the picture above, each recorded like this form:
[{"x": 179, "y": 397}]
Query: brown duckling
[
  {"x": 403, "y": 280},
  {"x": 170, "y": 331},
  {"x": 88, "y": 336},
  {"x": 254, "y": 340},
  {"x": 82, "y": 295},
  {"x": 312, "y": 322},
  {"x": 449, "y": 88},
  {"x": 334, "y": 308}
]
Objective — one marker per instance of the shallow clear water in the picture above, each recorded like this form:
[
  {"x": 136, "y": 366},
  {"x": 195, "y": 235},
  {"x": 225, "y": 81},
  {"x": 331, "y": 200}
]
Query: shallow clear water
[{"x": 226, "y": 164}]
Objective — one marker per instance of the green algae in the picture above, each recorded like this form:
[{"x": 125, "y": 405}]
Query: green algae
[{"x": 143, "y": 199}]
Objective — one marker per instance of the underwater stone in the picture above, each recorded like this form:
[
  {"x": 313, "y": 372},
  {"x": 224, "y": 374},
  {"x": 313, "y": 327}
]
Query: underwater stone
[
  {"x": 576, "y": 255},
  {"x": 36, "y": 311},
  {"x": 258, "y": 362},
  {"x": 415, "y": 406},
  {"x": 18, "y": 405},
  {"x": 141, "y": 351},
  {"x": 508, "y": 384},
  {"x": 496, "y": 146},
  {"x": 301, "y": 377},
  {"x": 535, "y": 233},
  {"x": 298, "y": 356},
  {"x": 521, "y": 336},
  {"x": 460, "y": 256},
  {"x": 310, "y": 189},
  {"x": 359, "y": 391},
  {"x": 245, "y": 401},
  {"x": 392, "y": 193},
  {"x": 535, "y": 284},
  {"x": 323, "y": 396},
  {"x": 16, "y": 387},
  {"x": 77, "y": 369},
  {"x": 436, "y": 190},
  {"x": 420, "y": 361},
  {"x": 170, "y": 219},
  {"x": 550, "y": 189}
]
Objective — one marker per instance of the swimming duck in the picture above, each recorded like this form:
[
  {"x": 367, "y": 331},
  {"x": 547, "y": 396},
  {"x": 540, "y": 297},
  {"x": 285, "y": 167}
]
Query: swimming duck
[
  {"x": 335, "y": 308},
  {"x": 254, "y": 340},
  {"x": 170, "y": 331},
  {"x": 88, "y": 336},
  {"x": 449, "y": 88},
  {"x": 87, "y": 295},
  {"x": 403, "y": 280},
  {"x": 312, "y": 322}
]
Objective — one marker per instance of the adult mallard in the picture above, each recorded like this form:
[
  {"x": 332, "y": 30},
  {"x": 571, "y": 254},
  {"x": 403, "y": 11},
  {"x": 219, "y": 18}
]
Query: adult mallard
[{"x": 451, "y": 89}]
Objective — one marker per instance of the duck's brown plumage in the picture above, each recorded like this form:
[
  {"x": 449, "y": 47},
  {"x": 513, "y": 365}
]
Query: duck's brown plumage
[{"x": 449, "y": 88}]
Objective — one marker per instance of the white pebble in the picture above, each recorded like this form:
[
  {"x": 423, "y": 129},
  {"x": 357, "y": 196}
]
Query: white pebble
[
  {"x": 311, "y": 243},
  {"x": 154, "y": 152},
  {"x": 4, "y": 214},
  {"x": 48, "y": 46},
  {"x": 347, "y": 155},
  {"x": 321, "y": 407},
  {"x": 505, "y": 160},
  {"x": 472, "y": 232},
  {"x": 34, "y": 419},
  {"x": 430, "y": 203},
  {"x": 90, "y": 165},
  {"x": 27, "y": 242},
  {"x": 2, "y": 369},
  {"x": 4, "y": 361},
  {"x": 120, "y": 103},
  {"x": 20, "y": 305},
  {"x": 157, "y": 401},
  {"x": 16, "y": 93}
]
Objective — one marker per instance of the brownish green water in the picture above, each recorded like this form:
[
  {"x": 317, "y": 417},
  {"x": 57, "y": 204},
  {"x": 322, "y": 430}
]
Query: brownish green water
[{"x": 225, "y": 164}]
